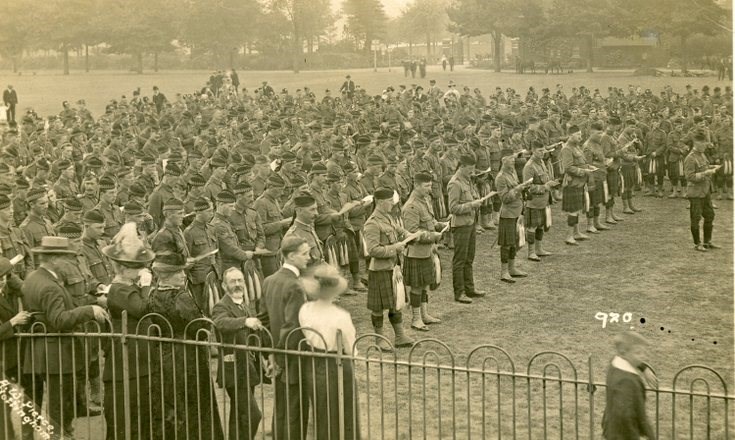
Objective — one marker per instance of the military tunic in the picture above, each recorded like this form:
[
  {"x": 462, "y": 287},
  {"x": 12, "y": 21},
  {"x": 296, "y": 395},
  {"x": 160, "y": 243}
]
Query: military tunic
[
  {"x": 12, "y": 244},
  {"x": 88, "y": 202},
  {"x": 229, "y": 250},
  {"x": 78, "y": 281},
  {"x": 169, "y": 241},
  {"x": 66, "y": 189},
  {"x": 200, "y": 239},
  {"x": 156, "y": 201},
  {"x": 113, "y": 219},
  {"x": 270, "y": 216},
  {"x": 308, "y": 233},
  {"x": 248, "y": 228},
  {"x": 35, "y": 228},
  {"x": 99, "y": 265}
]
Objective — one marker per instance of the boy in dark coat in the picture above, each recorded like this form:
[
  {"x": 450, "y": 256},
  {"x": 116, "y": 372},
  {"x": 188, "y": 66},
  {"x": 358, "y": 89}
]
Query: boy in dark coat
[{"x": 625, "y": 411}]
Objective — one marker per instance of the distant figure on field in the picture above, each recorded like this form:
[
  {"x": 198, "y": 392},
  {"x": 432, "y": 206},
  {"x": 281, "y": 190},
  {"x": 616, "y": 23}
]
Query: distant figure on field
[{"x": 10, "y": 99}]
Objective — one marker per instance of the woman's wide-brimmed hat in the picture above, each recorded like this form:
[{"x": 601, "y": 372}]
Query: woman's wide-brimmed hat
[
  {"x": 324, "y": 282},
  {"x": 128, "y": 249}
]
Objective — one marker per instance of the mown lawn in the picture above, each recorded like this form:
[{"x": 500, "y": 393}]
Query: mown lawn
[{"x": 46, "y": 90}]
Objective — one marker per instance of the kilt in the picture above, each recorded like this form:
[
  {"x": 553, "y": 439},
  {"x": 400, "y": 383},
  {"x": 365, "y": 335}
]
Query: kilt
[
  {"x": 535, "y": 218},
  {"x": 380, "y": 294},
  {"x": 596, "y": 194},
  {"x": 573, "y": 199},
  {"x": 353, "y": 253},
  {"x": 613, "y": 183},
  {"x": 418, "y": 272},
  {"x": 629, "y": 176},
  {"x": 507, "y": 235},
  {"x": 675, "y": 172}
]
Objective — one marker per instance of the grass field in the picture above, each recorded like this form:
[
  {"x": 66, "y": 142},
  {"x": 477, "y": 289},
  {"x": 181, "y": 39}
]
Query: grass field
[
  {"x": 46, "y": 90},
  {"x": 680, "y": 299}
]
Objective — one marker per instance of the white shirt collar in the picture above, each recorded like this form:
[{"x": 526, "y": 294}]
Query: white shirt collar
[
  {"x": 292, "y": 268},
  {"x": 622, "y": 364}
]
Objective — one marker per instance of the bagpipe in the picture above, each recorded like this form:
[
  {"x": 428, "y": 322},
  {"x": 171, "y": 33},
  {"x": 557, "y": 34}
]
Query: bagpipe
[{"x": 335, "y": 251}]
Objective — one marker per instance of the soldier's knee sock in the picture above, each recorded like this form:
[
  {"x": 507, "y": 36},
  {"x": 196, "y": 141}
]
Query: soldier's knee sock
[
  {"x": 377, "y": 320},
  {"x": 355, "y": 266},
  {"x": 610, "y": 203},
  {"x": 415, "y": 299},
  {"x": 707, "y": 230},
  {"x": 539, "y": 234},
  {"x": 695, "y": 234},
  {"x": 424, "y": 296},
  {"x": 395, "y": 316},
  {"x": 512, "y": 253},
  {"x": 504, "y": 252},
  {"x": 530, "y": 237},
  {"x": 596, "y": 211},
  {"x": 590, "y": 213},
  {"x": 572, "y": 220}
]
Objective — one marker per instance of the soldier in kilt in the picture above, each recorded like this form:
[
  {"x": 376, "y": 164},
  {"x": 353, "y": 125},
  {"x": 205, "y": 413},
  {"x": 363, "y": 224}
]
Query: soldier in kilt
[
  {"x": 676, "y": 151},
  {"x": 576, "y": 175},
  {"x": 629, "y": 166},
  {"x": 612, "y": 160},
  {"x": 537, "y": 200},
  {"x": 419, "y": 272},
  {"x": 595, "y": 156},
  {"x": 510, "y": 192},
  {"x": 655, "y": 165},
  {"x": 383, "y": 237}
]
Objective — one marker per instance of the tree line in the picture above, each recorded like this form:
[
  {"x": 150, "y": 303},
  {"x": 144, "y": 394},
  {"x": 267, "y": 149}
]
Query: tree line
[
  {"x": 224, "y": 28},
  {"x": 544, "y": 22}
]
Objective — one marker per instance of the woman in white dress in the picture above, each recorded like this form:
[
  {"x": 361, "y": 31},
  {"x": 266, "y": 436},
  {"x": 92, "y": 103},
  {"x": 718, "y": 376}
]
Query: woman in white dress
[{"x": 322, "y": 320}]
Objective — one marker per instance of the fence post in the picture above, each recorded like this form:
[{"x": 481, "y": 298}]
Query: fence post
[
  {"x": 591, "y": 388},
  {"x": 340, "y": 386},
  {"x": 125, "y": 372}
]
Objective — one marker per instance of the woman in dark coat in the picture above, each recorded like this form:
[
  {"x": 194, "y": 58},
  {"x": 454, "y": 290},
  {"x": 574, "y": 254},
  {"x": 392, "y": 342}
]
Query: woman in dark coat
[
  {"x": 10, "y": 319},
  {"x": 129, "y": 293},
  {"x": 188, "y": 396}
]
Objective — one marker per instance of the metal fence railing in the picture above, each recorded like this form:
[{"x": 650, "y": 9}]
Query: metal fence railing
[{"x": 154, "y": 382}]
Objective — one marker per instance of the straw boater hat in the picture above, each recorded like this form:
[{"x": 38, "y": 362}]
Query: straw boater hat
[
  {"x": 54, "y": 246},
  {"x": 128, "y": 249}
]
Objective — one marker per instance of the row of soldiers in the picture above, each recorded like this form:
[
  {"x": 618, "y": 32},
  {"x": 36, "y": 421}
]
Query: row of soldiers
[{"x": 236, "y": 176}]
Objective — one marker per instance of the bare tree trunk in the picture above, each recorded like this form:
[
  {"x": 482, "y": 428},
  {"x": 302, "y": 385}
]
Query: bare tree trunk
[
  {"x": 684, "y": 54},
  {"x": 296, "y": 51},
  {"x": 410, "y": 48},
  {"x": 86, "y": 58},
  {"x": 590, "y": 44},
  {"x": 428, "y": 44},
  {"x": 139, "y": 56},
  {"x": 66, "y": 60},
  {"x": 232, "y": 58},
  {"x": 498, "y": 51},
  {"x": 155, "y": 61},
  {"x": 15, "y": 64}
]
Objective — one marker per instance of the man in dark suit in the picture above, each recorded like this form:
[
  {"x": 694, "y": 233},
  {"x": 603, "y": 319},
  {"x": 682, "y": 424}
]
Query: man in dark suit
[
  {"x": 55, "y": 359},
  {"x": 10, "y": 99},
  {"x": 348, "y": 87},
  {"x": 284, "y": 295},
  {"x": 159, "y": 99},
  {"x": 234, "y": 317},
  {"x": 625, "y": 411}
]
